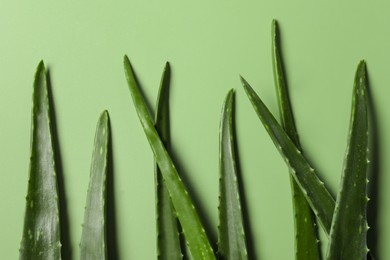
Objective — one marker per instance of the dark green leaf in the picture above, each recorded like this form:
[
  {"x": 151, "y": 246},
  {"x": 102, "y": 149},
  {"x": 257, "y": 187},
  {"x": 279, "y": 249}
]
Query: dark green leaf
[
  {"x": 168, "y": 241},
  {"x": 231, "y": 236},
  {"x": 195, "y": 235},
  {"x": 306, "y": 245},
  {"x": 41, "y": 232},
  {"x": 349, "y": 226},
  {"x": 312, "y": 187},
  {"x": 93, "y": 237}
]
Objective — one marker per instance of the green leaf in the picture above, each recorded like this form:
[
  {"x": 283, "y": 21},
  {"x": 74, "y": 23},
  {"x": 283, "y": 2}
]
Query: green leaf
[
  {"x": 306, "y": 243},
  {"x": 41, "y": 232},
  {"x": 168, "y": 240},
  {"x": 231, "y": 236},
  {"x": 195, "y": 235},
  {"x": 93, "y": 237},
  {"x": 312, "y": 187},
  {"x": 349, "y": 226}
]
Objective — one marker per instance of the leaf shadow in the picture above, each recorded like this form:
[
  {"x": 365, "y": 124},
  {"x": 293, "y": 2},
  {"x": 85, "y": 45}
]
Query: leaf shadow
[
  {"x": 146, "y": 100},
  {"x": 66, "y": 249},
  {"x": 307, "y": 156},
  {"x": 195, "y": 198},
  {"x": 205, "y": 219},
  {"x": 249, "y": 238},
  {"x": 184, "y": 177},
  {"x": 111, "y": 228},
  {"x": 374, "y": 170}
]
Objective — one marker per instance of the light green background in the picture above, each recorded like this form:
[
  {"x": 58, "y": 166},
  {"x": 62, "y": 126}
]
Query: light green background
[{"x": 208, "y": 44}]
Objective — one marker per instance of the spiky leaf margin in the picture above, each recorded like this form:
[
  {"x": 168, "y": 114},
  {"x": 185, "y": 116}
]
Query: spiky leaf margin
[
  {"x": 195, "y": 235},
  {"x": 348, "y": 235},
  {"x": 41, "y": 232},
  {"x": 168, "y": 240},
  {"x": 306, "y": 241},
  {"x": 231, "y": 235},
  {"x": 93, "y": 238}
]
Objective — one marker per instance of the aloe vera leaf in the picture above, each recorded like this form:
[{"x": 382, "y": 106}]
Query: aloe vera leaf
[
  {"x": 349, "y": 226},
  {"x": 306, "y": 242},
  {"x": 195, "y": 235},
  {"x": 231, "y": 235},
  {"x": 168, "y": 240},
  {"x": 314, "y": 190},
  {"x": 93, "y": 237},
  {"x": 41, "y": 232}
]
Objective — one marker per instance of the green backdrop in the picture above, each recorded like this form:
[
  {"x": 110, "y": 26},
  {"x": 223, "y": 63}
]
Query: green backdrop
[{"x": 208, "y": 45}]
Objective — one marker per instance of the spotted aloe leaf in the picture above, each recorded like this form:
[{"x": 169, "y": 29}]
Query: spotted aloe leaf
[
  {"x": 41, "y": 232},
  {"x": 93, "y": 237},
  {"x": 231, "y": 236},
  {"x": 349, "y": 225},
  {"x": 195, "y": 235},
  {"x": 168, "y": 240},
  {"x": 314, "y": 190},
  {"x": 306, "y": 245}
]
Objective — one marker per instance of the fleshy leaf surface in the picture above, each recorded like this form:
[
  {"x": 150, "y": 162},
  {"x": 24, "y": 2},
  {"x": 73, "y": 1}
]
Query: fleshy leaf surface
[
  {"x": 231, "y": 235},
  {"x": 348, "y": 235},
  {"x": 306, "y": 243},
  {"x": 93, "y": 244},
  {"x": 41, "y": 232},
  {"x": 314, "y": 190},
  {"x": 168, "y": 240},
  {"x": 195, "y": 235}
]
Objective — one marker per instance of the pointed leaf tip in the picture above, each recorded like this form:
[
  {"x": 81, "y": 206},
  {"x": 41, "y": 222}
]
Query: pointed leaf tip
[
  {"x": 229, "y": 98},
  {"x": 274, "y": 26},
  {"x": 41, "y": 209},
  {"x": 231, "y": 92},
  {"x": 231, "y": 237},
  {"x": 349, "y": 225},
  {"x": 104, "y": 115},
  {"x": 166, "y": 72},
  {"x": 315, "y": 192},
  {"x": 198, "y": 243},
  {"x": 243, "y": 81},
  {"x": 168, "y": 238},
  {"x": 126, "y": 61},
  {"x": 105, "y": 112},
  {"x": 41, "y": 64},
  {"x": 41, "y": 68},
  {"x": 361, "y": 78},
  {"x": 93, "y": 237},
  {"x": 362, "y": 68}
]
